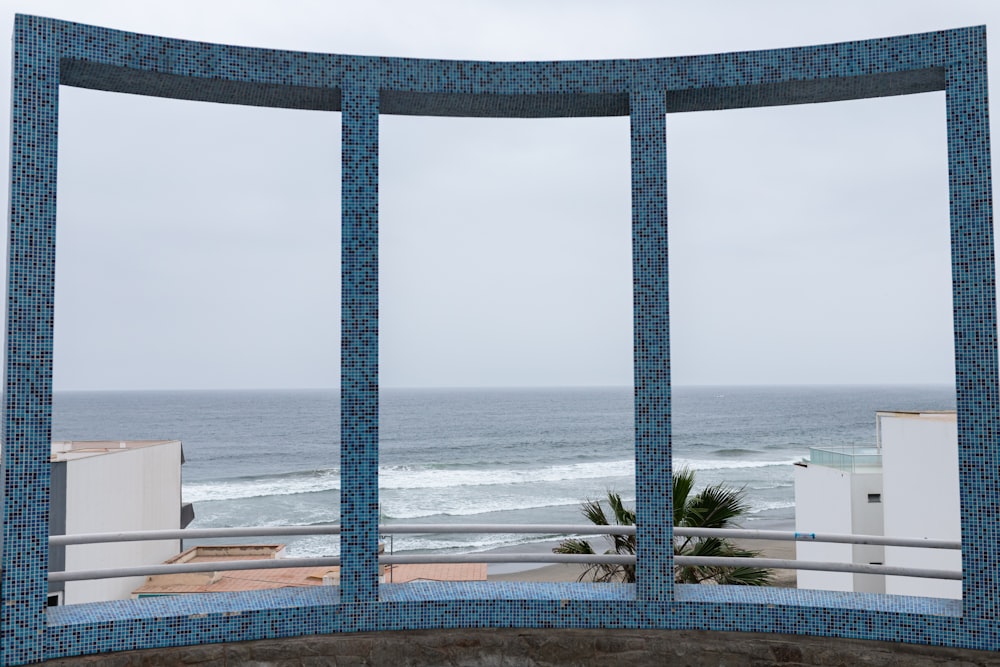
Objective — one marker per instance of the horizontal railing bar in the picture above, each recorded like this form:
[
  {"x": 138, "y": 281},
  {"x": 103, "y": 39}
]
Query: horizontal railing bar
[
  {"x": 563, "y": 529},
  {"x": 782, "y": 564},
  {"x": 540, "y": 557},
  {"x": 273, "y": 563},
  {"x": 191, "y": 534},
  {"x": 279, "y": 531},
  {"x": 537, "y": 557},
  {"x": 186, "y": 568},
  {"x": 766, "y": 563},
  {"x": 515, "y": 528},
  {"x": 839, "y": 538}
]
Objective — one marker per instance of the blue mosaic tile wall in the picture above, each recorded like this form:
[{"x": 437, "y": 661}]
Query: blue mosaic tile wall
[{"x": 48, "y": 53}]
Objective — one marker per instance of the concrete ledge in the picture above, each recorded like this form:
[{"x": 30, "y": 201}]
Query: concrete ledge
[{"x": 532, "y": 647}]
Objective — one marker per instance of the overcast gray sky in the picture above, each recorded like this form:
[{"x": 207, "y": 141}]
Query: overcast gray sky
[{"x": 199, "y": 243}]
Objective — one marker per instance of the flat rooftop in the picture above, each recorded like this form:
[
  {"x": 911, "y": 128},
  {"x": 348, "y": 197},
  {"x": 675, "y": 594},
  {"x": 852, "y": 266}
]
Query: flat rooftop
[
  {"x": 68, "y": 450},
  {"x": 943, "y": 415},
  {"x": 227, "y": 581}
]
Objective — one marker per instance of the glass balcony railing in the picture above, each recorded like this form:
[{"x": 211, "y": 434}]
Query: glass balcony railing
[{"x": 848, "y": 459}]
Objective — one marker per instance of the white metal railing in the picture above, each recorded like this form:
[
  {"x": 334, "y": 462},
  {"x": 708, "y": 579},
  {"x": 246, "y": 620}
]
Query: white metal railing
[
  {"x": 191, "y": 534},
  {"x": 185, "y": 568},
  {"x": 544, "y": 529}
]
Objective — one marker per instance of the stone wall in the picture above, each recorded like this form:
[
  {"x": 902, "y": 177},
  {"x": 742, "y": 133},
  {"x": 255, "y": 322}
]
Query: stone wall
[{"x": 538, "y": 648}]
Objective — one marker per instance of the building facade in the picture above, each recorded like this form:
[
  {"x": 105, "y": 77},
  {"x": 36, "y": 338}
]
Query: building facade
[
  {"x": 103, "y": 487},
  {"x": 906, "y": 486}
]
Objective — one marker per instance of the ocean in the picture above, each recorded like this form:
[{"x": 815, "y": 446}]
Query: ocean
[{"x": 268, "y": 458}]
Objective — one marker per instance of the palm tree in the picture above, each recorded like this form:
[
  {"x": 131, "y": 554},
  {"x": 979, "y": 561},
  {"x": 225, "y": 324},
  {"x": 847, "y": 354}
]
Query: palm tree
[
  {"x": 623, "y": 544},
  {"x": 715, "y": 506}
]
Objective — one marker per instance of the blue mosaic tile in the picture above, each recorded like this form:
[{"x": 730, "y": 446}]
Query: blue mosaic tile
[
  {"x": 506, "y": 590},
  {"x": 359, "y": 345},
  {"x": 49, "y": 52}
]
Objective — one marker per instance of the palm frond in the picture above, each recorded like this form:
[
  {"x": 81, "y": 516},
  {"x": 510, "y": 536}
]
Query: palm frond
[
  {"x": 623, "y": 515},
  {"x": 744, "y": 576},
  {"x": 714, "y": 547},
  {"x": 597, "y": 572},
  {"x": 706, "y": 547},
  {"x": 683, "y": 485},
  {"x": 594, "y": 512},
  {"x": 715, "y": 506},
  {"x": 622, "y": 544},
  {"x": 574, "y": 547}
]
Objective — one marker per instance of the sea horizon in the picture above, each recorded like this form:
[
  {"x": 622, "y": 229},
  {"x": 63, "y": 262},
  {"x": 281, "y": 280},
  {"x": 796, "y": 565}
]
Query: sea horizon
[{"x": 483, "y": 455}]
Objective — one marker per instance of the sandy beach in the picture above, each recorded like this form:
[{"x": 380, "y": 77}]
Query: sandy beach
[{"x": 571, "y": 572}]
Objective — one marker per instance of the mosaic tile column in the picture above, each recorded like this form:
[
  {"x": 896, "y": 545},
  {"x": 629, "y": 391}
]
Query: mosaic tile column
[
  {"x": 115, "y": 61},
  {"x": 653, "y": 487},
  {"x": 974, "y": 293},
  {"x": 359, "y": 347},
  {"x": 27, "y": 420}
]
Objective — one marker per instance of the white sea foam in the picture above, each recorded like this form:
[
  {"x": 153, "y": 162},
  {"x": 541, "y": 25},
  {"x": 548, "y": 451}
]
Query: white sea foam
[
  {"x": 426, "y": 477},
  {"x": 415, "y": 477},
  {"x": 262, "y": 487},
  {"x": 326, "y": 545},
  {"x": 416, "y": 507},
  {"x": 313, "y": 546},
  {"x": 729, "y": 464},
  {"x": 403, "y": 477},
  {"x": 757, "y": 506},
  {"x": 467, "y": 543}
]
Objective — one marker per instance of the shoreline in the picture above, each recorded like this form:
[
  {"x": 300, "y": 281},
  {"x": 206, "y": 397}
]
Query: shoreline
[{"x": 570, "y": 572}]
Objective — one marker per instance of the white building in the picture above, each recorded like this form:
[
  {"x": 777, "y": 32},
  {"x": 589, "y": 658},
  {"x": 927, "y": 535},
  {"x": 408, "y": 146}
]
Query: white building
[
  {"x": 920, "y": 481},
  {"x": 102, "y": 487},
  {"x": 905, "y": 486},
  {"x": 839, "y": 490}
]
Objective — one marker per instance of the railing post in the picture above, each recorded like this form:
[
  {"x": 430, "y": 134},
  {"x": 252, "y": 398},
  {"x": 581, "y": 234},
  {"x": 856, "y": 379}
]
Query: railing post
[
  {"x": 359, "y": 346},
  {"x": 654, "y": 496}
]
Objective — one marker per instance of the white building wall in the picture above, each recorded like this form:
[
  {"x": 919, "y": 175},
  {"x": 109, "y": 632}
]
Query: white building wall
[
  {"x": 134, "y": 489},
  {"x": 867, "y": 519},
  {"x": 829, "y": 500},
  {"x": 921, "y": 494},
  {"x": 822, "y": 505}
]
